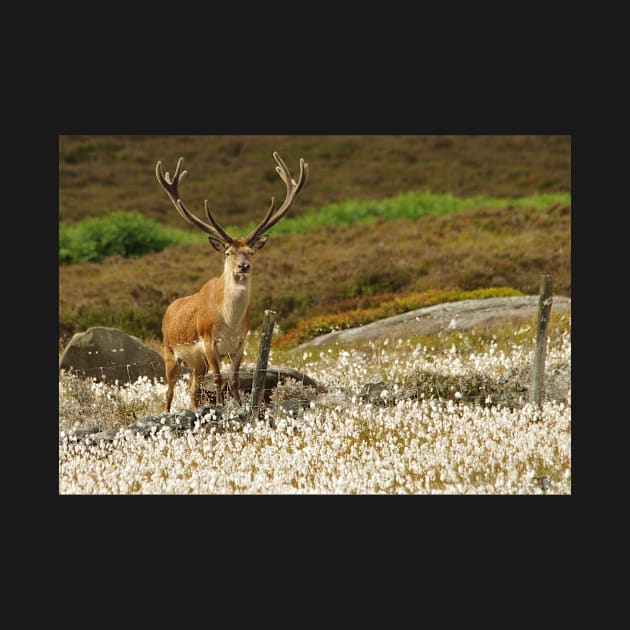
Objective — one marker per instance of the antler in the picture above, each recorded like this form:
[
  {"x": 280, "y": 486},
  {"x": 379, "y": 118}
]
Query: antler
[
  {"x": 170, "y": 186},
  {"x": 293, "y": 188}
]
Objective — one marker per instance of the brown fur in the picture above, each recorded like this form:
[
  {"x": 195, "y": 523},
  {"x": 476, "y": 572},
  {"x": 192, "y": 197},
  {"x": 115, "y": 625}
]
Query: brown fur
[{"x": 202, "y": 329}]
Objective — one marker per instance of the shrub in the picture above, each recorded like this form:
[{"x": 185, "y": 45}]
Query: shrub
[{"x": 126, "y": 234}]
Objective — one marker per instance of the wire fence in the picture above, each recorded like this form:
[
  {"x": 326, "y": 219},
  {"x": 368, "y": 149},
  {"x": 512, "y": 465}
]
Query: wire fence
[
  {"x": 259, "y": 383},
  {"x": 468, "y": 384}
]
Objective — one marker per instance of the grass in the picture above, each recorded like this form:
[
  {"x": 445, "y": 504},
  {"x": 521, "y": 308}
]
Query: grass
[
  {"x": 380, "y": 215},
  {"x": 101, "y": 173},
  {"x": 469, "y": 431},
  {"x": 130, "y": 234},
  {"x": 108, "y": 407},
  {"x": 327, "y": 271},
  {"x": 410, "y": 205},
  {"x": 380, "y": 221}
]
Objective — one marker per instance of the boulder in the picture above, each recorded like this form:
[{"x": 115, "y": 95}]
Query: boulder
[
  {"x": 462, "y": 315},
  {"x": 110, "y": 354},
  {"x": 273, "y": 377},
  {"x": 377, "y": 392}
]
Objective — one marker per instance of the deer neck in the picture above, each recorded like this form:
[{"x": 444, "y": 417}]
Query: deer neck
[{"x": 236, "y": 290}]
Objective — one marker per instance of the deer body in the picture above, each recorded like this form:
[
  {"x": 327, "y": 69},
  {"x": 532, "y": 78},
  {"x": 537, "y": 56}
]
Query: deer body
[{"x": 202, "y": 329}]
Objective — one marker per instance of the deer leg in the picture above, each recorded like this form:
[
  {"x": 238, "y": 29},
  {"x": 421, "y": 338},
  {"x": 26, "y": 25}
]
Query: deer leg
[
  {"x": 171, "y": 365},
  {"x": 235, "y": 376},
  {"x": 218, "y": 385},
  {"x": 196, "y": 381},
  {"x": 213, "y": 364}
]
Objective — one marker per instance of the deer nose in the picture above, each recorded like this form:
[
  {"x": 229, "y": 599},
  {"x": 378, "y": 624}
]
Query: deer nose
[{"x": 243, "y": 267}]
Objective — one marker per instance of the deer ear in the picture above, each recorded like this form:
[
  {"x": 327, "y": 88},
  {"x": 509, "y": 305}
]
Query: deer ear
[
  {"x": 217, "y": 244},
  {"x": 260, "y": 242}
]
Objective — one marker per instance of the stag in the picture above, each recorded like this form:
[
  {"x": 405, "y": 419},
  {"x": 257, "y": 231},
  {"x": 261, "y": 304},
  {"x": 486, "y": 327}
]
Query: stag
[{"x": 202, "y": 329}]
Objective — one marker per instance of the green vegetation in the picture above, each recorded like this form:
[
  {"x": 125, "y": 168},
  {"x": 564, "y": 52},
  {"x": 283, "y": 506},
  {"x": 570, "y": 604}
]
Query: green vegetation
[
  {"x": 331, "y": 271},
  {"x": 127, "y": 234},
  {"x": 386, "y": 224},
  {"x": 130, "y": 234},
  {"x": 382, "y": 217},
  {"x": 235, "y": 173},
  {"x": 410, "y": 205}
]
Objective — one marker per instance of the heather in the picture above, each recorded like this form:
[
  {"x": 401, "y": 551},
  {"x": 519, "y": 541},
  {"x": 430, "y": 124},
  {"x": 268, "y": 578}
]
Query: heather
[
  {"x": 381, "y": 215},
  {"x": 387, "y": 223},
  {"x": 329, "y": 271}
]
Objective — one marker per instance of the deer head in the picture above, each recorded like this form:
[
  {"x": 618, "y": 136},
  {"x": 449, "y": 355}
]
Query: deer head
[
  {"x": 217, "y": 236},
  {"x": 201, "y": 329}
]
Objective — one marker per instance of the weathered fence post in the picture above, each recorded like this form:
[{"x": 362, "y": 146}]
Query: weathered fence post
[
  {"x": 544, "y": 310},
  {"x": 258, "y": 384}
]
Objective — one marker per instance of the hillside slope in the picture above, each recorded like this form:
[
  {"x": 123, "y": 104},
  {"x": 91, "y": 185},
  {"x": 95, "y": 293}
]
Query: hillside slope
[
  {"x": 236, "y": 173},
  {"x": 327, "y": 271}
]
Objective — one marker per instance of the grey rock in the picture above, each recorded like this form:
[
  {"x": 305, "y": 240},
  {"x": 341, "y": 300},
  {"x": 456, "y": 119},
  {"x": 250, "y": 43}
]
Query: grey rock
[
  {"x": 378, "y": 392},
  {"x": 220, "y": 416},
  {"x": 274, "y": 376},
  {"x": 76, "y": 435},
  {"x": 372, "y": 392},
  {"x": 147, "y": 426},
  {"x": 462, "y": 315},
  {"x": 110, "y": 354},
  {"x": 292, "y": 407},
  {"x": 143, "y": 430},
  {"x": 108, "y": 436},
  {"x": 183, "y": 420},
  {"x": 405, "y": 393}
]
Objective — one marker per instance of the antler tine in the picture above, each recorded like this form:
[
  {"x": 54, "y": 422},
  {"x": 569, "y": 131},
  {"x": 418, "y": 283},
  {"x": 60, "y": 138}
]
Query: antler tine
[
  {"x": 293, "y": 187},
  {"x": 165, "y": 179},
  {"x": 272, "y": 207},
  {"x": 284, "y": 173},
  {"x": 171, "y": 188},
  {"x": 212, "y": 220}
]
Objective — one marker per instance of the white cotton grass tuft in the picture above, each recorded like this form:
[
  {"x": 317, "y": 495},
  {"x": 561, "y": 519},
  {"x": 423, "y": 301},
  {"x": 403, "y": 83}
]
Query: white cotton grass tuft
[{"x": 444, "y": 441}]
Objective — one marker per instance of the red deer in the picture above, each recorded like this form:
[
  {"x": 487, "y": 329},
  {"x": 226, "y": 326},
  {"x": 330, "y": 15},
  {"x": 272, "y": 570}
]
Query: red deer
[{"x": 200, "y": 330}]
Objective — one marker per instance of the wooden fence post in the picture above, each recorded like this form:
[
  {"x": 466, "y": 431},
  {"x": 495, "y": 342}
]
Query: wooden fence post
[
  {"x": 258, "y": 383},
  {"x": 544, "y": 310}
]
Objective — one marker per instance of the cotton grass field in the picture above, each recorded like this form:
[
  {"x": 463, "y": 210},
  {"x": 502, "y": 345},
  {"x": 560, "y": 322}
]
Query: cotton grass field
[
  {"x": 470, "y": 430},
  {"x": 387, "y": 222}
]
